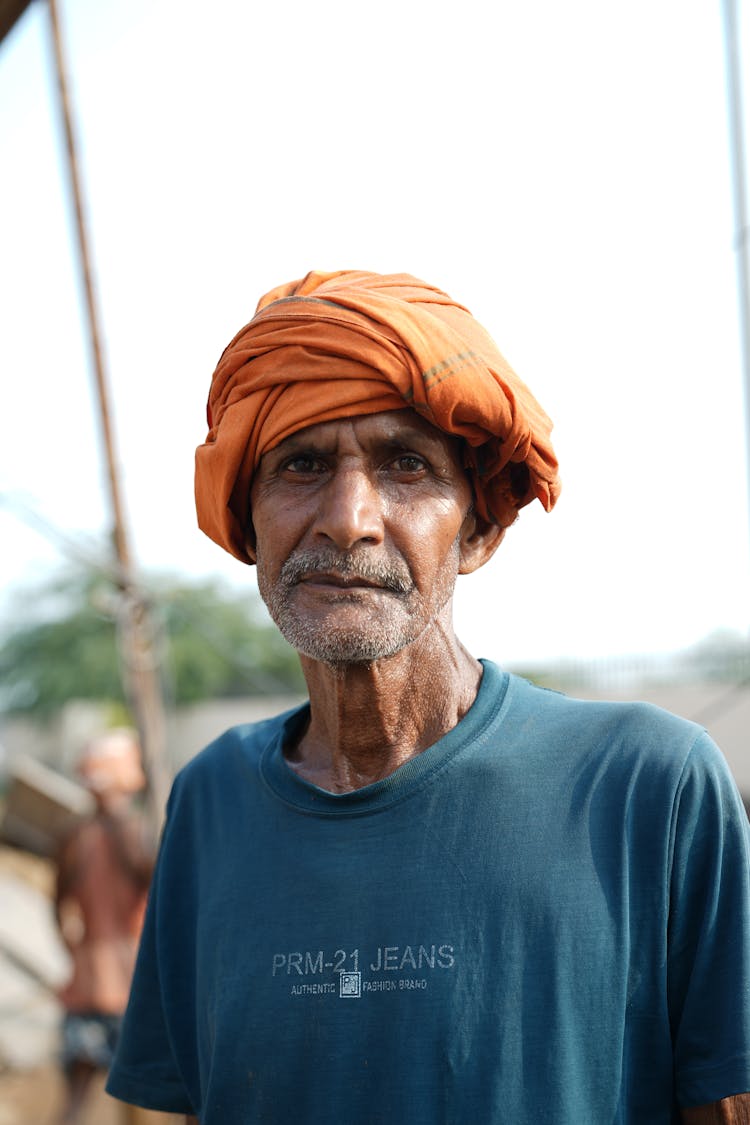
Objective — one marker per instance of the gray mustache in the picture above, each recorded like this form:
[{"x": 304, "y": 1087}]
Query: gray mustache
[{"x": 302, "y": 564}]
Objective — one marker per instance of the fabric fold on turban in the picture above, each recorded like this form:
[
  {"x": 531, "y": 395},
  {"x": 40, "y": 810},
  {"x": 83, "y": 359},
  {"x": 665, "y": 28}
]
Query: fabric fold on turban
[{"x": 345, "y": 344}]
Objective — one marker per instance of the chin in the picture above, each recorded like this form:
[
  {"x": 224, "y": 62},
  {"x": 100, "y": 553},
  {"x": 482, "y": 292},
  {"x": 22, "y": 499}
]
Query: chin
[{"x": 339, "y": 647}]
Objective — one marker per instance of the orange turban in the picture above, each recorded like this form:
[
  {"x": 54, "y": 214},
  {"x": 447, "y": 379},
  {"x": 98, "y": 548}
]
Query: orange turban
[{"x": 339, "y": 345}]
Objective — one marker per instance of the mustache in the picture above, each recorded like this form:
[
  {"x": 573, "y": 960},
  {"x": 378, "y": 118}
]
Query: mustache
[{"x": 392, "y": 576}]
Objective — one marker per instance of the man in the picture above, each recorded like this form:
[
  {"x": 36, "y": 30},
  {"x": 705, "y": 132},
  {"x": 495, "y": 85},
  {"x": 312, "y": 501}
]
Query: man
[
  {"x": 103, "y": 872},
  {"x": 436, "y": 893}
]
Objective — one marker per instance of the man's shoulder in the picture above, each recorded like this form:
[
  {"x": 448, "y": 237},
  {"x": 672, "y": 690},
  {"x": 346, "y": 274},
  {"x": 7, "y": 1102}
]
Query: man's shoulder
[
  {"x": 624, "y": 726},
  {"x": 618, "y": 746},
  {"x": 238, "y": 748}
]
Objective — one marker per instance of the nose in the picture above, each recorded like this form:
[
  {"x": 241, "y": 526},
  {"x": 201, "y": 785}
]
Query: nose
[{"x": 350, "y": 509}]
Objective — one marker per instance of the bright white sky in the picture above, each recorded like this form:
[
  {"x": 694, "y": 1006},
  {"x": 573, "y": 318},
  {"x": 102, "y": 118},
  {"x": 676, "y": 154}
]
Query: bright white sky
[{"x": 562, "y": 169}]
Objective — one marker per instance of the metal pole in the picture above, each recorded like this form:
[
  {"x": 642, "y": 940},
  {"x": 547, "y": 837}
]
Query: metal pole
[
  {"x": 739, "y": 192},
  {"x": 138, "y": 650}
]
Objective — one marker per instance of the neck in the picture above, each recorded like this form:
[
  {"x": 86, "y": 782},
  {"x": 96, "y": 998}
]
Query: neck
[{"x": 366, "y": 720}]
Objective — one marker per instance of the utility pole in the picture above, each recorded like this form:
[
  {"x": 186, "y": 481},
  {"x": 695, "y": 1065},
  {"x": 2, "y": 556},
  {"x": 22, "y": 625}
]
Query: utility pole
[
  {"x": 739, "y": 193},
  {"x": 139, "y": 652}
]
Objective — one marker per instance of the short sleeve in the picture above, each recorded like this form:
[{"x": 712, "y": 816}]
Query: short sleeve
[{"x": 709, "y": 932}]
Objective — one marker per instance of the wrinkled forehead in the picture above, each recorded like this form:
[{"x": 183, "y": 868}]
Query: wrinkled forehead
[{"x": 396, "y": 429}]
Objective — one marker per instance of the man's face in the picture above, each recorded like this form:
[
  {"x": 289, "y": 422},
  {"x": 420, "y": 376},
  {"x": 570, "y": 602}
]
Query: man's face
[{"x": 360, "y": 529}]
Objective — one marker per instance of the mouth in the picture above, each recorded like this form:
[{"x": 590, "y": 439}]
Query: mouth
[
  {"x": 339, "y": 581},
  {"x": 334, "y": 571}
]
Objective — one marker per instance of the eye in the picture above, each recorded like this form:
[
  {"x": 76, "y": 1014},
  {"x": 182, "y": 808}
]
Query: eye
[
  {"x": 409, "y": 463},
  {"x": 305, "y": 464}
]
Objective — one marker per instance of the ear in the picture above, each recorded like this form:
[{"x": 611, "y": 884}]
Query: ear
[
  {"x": 250, "y": 541},
  {"x": 478, "y": 542}
]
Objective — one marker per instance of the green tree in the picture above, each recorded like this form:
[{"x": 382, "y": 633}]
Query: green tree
[
  {"x": 213, "y": 643},
  {"x": 221, "y": 644}
]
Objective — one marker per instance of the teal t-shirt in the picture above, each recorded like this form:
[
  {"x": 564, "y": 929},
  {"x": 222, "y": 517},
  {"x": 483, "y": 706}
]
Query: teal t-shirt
[{"x": 545, "y": 917}]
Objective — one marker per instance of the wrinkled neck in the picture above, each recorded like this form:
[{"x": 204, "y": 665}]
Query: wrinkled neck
[{"x": 366, "y": 720}]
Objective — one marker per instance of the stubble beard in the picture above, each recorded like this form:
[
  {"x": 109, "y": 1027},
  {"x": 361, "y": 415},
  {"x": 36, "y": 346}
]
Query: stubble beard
[{"x": 383, "y": 629}]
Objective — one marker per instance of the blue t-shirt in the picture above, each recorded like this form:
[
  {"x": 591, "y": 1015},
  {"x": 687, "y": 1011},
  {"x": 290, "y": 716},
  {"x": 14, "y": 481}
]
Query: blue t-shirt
[{"x": 545, "y": 917}]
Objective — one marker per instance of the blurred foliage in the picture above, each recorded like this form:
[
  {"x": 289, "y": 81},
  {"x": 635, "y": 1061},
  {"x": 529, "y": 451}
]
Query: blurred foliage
[{"x": 63, "y": 643}]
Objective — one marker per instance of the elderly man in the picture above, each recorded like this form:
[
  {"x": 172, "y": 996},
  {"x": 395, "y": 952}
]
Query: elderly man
[{"x": 435, "y": 893}]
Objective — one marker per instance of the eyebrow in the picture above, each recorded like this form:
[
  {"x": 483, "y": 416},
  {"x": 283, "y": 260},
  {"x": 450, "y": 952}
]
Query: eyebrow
[
  {"x": 410, "y": 438},
  {"x": 440, "y": 439}
]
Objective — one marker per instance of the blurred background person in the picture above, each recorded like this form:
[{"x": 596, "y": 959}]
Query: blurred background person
[{"x": 103, "y": 874}]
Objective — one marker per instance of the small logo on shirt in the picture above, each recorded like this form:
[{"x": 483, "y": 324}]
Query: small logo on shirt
[{"x": 350, "y": 985}]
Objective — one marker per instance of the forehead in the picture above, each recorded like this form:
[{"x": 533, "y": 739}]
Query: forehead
[{"x": 398, "y": 428}]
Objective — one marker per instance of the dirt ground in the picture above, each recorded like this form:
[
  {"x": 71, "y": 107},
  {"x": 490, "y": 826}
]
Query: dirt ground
[{"x": 35, "y": 1097}]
